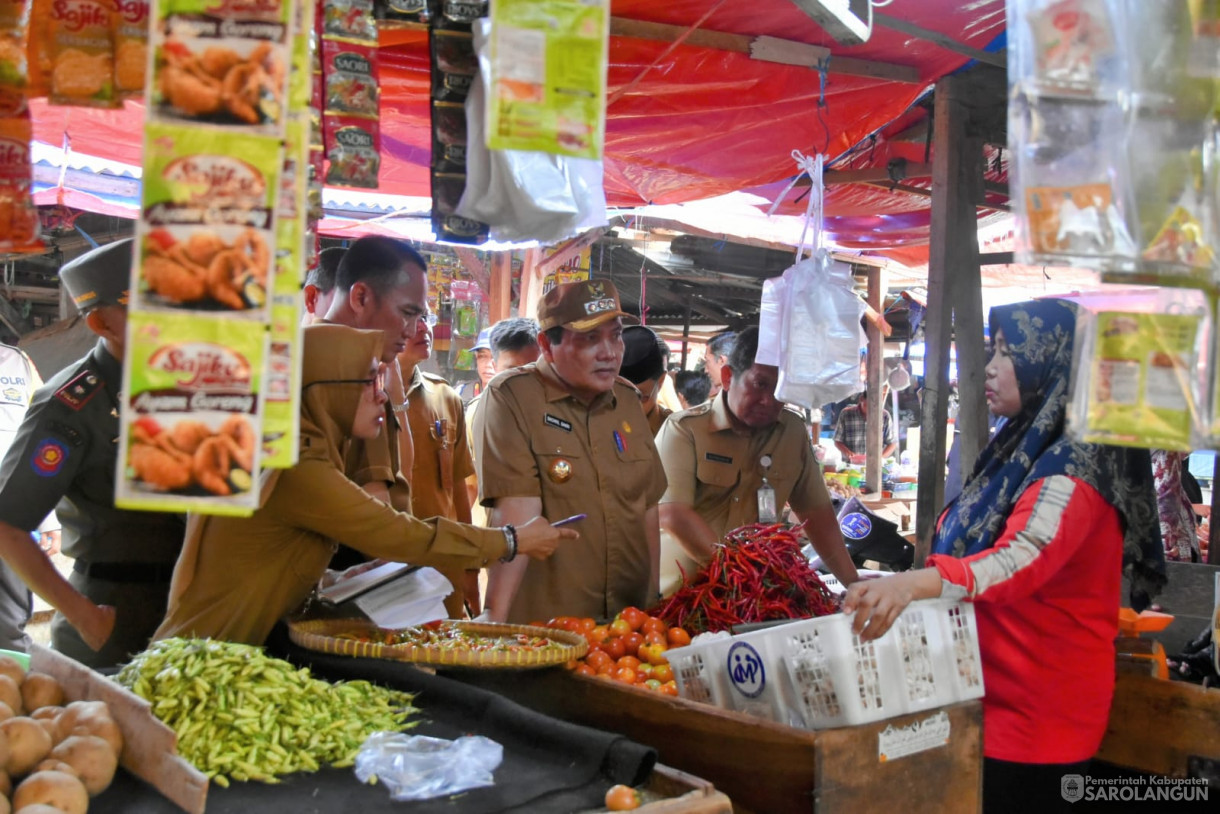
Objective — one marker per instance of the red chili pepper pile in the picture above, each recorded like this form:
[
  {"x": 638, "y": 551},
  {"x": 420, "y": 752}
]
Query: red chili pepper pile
[{"x": 758, "y": 574}]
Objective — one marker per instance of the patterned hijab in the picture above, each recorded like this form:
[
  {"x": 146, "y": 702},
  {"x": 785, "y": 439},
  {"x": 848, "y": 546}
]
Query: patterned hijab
[{"x": 1032, "y": 445}]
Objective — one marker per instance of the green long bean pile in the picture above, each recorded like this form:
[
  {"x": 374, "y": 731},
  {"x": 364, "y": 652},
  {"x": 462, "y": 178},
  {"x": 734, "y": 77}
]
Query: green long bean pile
[{"x": 242, "y": 715}]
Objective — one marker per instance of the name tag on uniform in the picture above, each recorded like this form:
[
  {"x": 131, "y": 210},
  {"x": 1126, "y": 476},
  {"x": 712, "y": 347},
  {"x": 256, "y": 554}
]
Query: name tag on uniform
[
  {"x": 720, "y": 459},
  {"x": 555, "y": 421}
]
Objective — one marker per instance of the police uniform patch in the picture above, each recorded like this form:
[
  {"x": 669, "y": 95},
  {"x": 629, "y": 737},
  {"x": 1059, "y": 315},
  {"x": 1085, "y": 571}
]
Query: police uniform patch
[
  {"x": 48, "y": 458},
  {"x": 74, "y": 436},
  {"x": 77, "y": 392}
]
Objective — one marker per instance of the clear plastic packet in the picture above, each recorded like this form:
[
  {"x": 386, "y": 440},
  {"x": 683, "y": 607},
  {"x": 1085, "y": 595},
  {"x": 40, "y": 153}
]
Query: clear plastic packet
[
  {"x": 1071, "y": 186},
  {"x": 1068, "y": 46},
  {"x": 417, "y": 767},
  {"x": 1140, "y": 374}
]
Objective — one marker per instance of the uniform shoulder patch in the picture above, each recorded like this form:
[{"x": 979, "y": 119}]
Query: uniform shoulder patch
[
  {"x": 697, "y": 410},
  {"x": 80, "y": 389},
  {"x": 49, "y": 457}
]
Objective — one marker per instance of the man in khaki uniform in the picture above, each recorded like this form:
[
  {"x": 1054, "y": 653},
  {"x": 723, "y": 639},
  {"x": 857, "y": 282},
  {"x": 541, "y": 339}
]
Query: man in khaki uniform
[
  {"x": 567, "y": 436},
  {"x": 382, "y": 284},
  {"x": 442, "y": 454},
  {"x": 716, "y": 456}
]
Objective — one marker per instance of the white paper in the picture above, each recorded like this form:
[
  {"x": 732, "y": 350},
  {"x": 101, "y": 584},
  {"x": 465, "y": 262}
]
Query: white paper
[{"x": 414, "y": 599}]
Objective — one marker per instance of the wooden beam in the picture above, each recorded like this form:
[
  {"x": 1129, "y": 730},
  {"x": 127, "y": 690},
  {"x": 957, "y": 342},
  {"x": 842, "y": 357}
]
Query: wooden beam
[
  {"x": 882, "y": 174},
  {"x": 809, "y": 56},
  {"x": 996, "y": 259},
  {"x": 950, "y": 206},
  {"x": 531, "y": 284},
  {"x": 11, "y": 317},
  {"x": 966, "y": 293},
  {"x": 500, "y": 301},
  {"x": 566, "y": 251},
  {"x": 474, "y": 267},
  {"x": 998, "y": 59},
  {"x": 32, "y": 292},
  {"x": 927, "y": 193},
  {"x": 875, "y": 418}
]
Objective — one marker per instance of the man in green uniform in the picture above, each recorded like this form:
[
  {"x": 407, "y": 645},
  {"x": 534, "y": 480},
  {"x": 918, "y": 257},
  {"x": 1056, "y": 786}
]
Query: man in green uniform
[
  {"x": 716, "y": 457},
  {"x": 567, "y": 436},
  {"x": 64, "y": 458}
]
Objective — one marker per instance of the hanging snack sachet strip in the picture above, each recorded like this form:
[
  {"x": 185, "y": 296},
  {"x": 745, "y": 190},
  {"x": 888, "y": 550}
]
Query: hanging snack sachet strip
[
  {"x": 188, "y": 438},
  {"x": 223, "y": 64},
  {"x": 207, "y": 229}
]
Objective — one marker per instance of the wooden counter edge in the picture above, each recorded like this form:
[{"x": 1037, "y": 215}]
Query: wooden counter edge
[{"x": 1156, "y": 725}]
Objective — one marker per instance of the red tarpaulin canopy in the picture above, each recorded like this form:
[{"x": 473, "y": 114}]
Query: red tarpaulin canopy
[{"x": 701, "y": 123}]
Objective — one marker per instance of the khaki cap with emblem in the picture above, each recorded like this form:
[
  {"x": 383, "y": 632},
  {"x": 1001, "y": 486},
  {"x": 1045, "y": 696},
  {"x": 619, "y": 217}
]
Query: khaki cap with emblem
[
  {"x": 580, "y": 306},
  {"x": 99, "y": 277}
]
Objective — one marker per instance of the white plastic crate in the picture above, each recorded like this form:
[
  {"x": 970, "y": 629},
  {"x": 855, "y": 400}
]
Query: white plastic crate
[
  {"x": 699, "y": 669},
  {"x": 929, "y": 658},
  {"x": 756, "y": 680}
]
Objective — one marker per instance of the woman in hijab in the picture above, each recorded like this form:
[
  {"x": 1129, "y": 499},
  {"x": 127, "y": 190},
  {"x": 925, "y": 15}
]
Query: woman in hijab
[
  {"x": 237, "y": 576},
  {"x": 1037, "y": 539}
]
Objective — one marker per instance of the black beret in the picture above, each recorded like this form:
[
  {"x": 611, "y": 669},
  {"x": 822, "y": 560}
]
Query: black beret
[{"x": 99, "y": 277}]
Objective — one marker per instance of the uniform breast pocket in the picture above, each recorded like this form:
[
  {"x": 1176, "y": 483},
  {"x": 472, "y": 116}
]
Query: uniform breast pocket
[
  {"x": 638, "y": 465},
  {"x": 717, "y": 474}
]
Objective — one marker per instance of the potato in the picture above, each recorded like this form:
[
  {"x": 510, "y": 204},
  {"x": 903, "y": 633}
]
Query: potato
[
  {"x": 53, "y": 765},
  {"x": 5, "y": 806},
  {"x": 28, "y": 744},
  {"x": 12, "y": 668},
  {"x": 92, "y": 759},
  {"x": 10, "y": 694},
  {"x": 39, "y": 808},
  {"x": 56, "y": 789},
  {"x": 6, "y": 785},
  {"x": 6, "y": 711},
  {"x": 40, "y": 690},
  {"x": 90, "y": 718},
  {"x": 52, "y": 729}
]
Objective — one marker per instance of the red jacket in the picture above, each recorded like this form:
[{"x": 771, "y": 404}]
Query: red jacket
[{"x": 1046, "y": 598}]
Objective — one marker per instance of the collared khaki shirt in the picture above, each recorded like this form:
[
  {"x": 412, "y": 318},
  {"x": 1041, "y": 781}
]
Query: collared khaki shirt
[
  {"x": 718, "y": 470},
  {"x": 533, "y": 439},
  {"x": 442, "y": 455}
]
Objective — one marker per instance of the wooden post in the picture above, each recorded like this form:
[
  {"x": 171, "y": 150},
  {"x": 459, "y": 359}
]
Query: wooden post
[
  {"x": 500, "y": 300},
  {"x": 686, "y": 335},
  {"x": 954, "y": 245},
  {"x": 966, "y": 290},
  {"x": 876, "y": 404},
  {"x": 527, "y": 299}
]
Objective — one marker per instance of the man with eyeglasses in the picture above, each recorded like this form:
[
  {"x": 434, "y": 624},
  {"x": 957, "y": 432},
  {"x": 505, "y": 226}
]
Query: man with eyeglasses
[
  {"x": 645, "y": 358},
  {"x": 567, "y": 436},
  {"x": 442, "y": 453},
  {"x": 382, "y": 284},
  {"x": 735, "y": 458}
]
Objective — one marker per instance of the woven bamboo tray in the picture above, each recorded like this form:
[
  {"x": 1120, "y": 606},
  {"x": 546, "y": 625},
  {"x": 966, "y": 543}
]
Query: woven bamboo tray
[{"x": 324, "y": 635}]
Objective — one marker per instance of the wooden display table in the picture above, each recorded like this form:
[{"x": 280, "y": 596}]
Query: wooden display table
[
  {"x": 1162, "y": 727},
  {"x": 769, "y": 768}
]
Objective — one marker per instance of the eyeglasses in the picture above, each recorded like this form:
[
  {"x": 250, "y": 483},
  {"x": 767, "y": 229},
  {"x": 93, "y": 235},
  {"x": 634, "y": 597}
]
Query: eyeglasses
[
  {"x": 432, "y": 318},
  {"x": 378, "y": 381}
]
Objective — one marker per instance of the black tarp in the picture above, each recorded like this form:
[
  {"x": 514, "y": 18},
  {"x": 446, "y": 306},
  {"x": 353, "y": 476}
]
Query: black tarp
[{"x": 549, "y": 765}]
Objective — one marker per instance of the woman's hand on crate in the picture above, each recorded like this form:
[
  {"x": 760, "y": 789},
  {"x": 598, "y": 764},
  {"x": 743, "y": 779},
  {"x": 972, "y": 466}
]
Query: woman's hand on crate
[{"x": 877, "y": 602}]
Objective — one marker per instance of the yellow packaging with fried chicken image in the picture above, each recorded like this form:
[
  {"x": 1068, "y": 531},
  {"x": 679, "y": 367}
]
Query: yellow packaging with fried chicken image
[{"x": 191, "y": 417}]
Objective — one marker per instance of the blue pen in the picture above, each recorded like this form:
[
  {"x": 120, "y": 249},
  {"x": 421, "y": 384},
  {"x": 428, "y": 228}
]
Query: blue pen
[{"x": 573, "y": 519}]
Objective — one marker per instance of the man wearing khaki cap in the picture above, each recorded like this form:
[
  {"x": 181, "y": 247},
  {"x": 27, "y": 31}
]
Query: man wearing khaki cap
[
  {"x": 64, "y": 457},
  {"x": 567, "y": 436}
]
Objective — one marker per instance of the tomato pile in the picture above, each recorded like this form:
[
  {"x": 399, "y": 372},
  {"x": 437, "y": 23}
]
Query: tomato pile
[{"x": 630, "y": 649}]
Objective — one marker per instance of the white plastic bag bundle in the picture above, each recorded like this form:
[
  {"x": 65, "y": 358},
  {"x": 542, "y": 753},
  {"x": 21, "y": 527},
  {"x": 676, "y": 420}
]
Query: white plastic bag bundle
[
  {"x": 524, "y": 195},
  {"x": 417, "y": 767},
  {"x": 809, "y": 320}
]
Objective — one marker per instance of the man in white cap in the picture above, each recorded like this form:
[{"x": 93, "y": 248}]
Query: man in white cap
[{"x": 567, "y": 436}]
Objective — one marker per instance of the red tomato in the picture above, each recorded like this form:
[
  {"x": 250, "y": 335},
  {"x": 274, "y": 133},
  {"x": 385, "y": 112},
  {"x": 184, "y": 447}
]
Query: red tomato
[
  {"x": 629, "y": 661},
  {"x": 596, "y": 636},
  {"x": 633, "y": 617},
  {"x": 620, "y": 627},
  {"x": 585, "y": 670},
  {"x": 607, "y": 669},
  {"x": 615, "y": 648},
  {"x": 588, "y": 623},
  {"x": 571, "y": 665},
  {"x": 632, "y": 642},
  {"x": 625, "y": 675},
  {"x": 653, "y": 623},
  {"x": 645, "y": 669},
  {"x": 654, "y": 637},
  {"x": 670, "y": 688},
  {"x": 677, "y": 637},
  {"x": 622, "y": 798},
  {"x": 597, "y": 658},
  {"x": 663, "y": 672}
]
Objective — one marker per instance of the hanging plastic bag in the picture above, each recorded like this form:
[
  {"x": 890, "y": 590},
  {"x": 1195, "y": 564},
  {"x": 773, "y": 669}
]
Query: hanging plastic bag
[
  {"x": 809, "y": 322},
  {"x": 524, "y": 195},
  {"x": 416, "y": 767}
]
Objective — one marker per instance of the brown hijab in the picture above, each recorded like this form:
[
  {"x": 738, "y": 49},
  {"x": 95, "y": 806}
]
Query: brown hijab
[{"x": 333, "y": 352}]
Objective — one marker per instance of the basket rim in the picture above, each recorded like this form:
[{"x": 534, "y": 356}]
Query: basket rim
[{"x": 321, "y": 635}]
